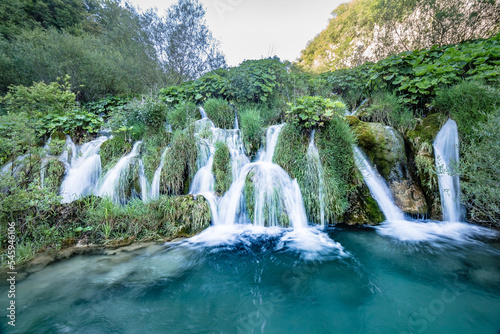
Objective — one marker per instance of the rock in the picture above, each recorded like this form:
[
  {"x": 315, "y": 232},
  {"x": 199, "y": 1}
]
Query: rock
[
  {"x": 385, "y": 147},
  {"x": 364, "y": 209}
]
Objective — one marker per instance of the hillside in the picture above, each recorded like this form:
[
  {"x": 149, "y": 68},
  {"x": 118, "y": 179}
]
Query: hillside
[{"x": 371, "y": 30}]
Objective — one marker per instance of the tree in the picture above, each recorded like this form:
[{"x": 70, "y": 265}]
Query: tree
[{"x": 185, "y": 45}]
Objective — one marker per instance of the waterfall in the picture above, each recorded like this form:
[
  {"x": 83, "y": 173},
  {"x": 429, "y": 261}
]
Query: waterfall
[
  {"x": 155, "y": 184},
  {"x": 275, "y": 193},
  {"x": 446, "y": 151},
  {"x": 111, "y": 185},
  {"x": 356, "y": 110},
  {"x": 143, "y": 182},
  {"x": 203, "y": 113},
  {"x": 83, "y": 175},
  {"x": 236, "y": 125},
  {"x": 378, "y": 187},
  {"x": 315, "y": 162}
]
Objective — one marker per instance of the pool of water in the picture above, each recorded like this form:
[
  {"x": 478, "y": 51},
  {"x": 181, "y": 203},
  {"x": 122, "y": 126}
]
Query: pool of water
[{"x": 340, "y": 280}]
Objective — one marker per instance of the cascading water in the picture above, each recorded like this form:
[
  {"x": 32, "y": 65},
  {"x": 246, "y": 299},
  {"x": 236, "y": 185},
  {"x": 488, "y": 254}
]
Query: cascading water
[
  {"x": 83, "y": 175},
  {"x": 314, "y": 162},
  {"x": 203, "y": 113},
  {"x": 111, "y": 185},
  {"x": 276, "y": 196},
  {"x": 143, "y": 182},
  {"x": 447, "y": 157},
  {"x": 378, "y": 187},
  {"x": 155, "y": 184}
]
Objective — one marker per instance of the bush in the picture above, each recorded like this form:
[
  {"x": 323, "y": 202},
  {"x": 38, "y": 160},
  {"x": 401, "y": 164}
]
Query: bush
[
  {"x": 310, "y": 112},
  {"x": 480, "y": 167},
  {"x": 468, "y": 103},
  {"x": 221, "y": 168},
  {"x": 152, "y": 112},
  {"x": 220, "y": 113},
  {"x": 251, "y": 129},
  {"x": 180, "y": 116}
]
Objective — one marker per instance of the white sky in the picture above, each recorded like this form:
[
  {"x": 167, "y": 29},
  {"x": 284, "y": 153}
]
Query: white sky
[{"x": 253, "y": 29}]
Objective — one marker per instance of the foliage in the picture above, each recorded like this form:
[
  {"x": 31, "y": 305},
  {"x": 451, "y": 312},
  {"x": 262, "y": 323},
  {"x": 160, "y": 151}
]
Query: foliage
[
  {"x": 251, "y": 129},
  {"x": 417, "y": 75},
  {"x": 313, "y": 111},
  {"x": 185, "y": 45},
  {"x": 182, "y": 115},
  {"x": 221, "y": 168},
  {"x": 180, "y": 163},
  {"x": 480, "y": 168},
  {"x": 220, "y": 113},
  {"x": 386, "y": 108},
  {"x": 41, "y": 99},
  {"x": 152, "y": 112},
  {"x": 77, "y": 121},
  {"x": 351, "y": 84}
]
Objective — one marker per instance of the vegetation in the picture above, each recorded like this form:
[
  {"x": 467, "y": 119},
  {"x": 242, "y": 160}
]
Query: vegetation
[
  {"x": 251, "y": 129},
  {"x": 310, "y": 112},
  {"x": 222, "y": 168},
  {"x": 220, "y": 113}
]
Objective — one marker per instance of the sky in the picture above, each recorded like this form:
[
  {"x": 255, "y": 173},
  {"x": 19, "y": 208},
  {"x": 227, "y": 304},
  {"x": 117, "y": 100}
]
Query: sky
[{"x": 255, "y": 29}]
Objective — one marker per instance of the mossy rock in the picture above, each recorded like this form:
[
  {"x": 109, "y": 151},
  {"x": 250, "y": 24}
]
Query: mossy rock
[
  {"x": 113, "y": 149},
  {"x": 427, "y": 129},
  {"x": 420, "y": 141},
  {"x": 384, "y": 146},
  {"x": 58, "y": 135},
  {"x": 363, "y": 210},
  {"x": 249, "y": 191}
]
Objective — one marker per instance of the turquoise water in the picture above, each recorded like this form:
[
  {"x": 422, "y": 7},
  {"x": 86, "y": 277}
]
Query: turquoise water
[{"x": 250, "y": 282}]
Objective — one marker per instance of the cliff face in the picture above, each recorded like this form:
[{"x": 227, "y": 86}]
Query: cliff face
[{"x": 370, "y": 30}]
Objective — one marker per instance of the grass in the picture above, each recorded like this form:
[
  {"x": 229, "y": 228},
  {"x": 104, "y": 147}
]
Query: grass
[
  {"x": 221, "y": 168},
  {"x": 251, "y": 129},
  {"x": 220, "y": 113},
  {"x": 182, "y": 115}
]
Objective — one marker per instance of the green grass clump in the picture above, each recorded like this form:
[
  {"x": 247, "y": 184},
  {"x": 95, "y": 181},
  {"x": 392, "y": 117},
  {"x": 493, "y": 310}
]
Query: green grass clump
[
  {"x": 182, "y": 115},
  {"x": 251, "y": 129},
  {"x": 386, "y": 108},
  {"x": 220, "y": 113},
  {"x": 180, "y": 163},
  {"x": 221, "y": 168},
  {"x": 335, "y": 150}
]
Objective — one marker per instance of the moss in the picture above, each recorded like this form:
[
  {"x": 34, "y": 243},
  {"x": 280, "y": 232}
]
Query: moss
[
  {"x": 180, "y": 164},
  {"x": 221, "y": 168},
  {"x": 54, "y": 172},
  {"x": 220, "y": 113},
  {"x": 352, "y": 120},
  {"x": 427, "y": 129},
  {"x": 363, "y": 208},
  {"x": 113, "y": 149}
]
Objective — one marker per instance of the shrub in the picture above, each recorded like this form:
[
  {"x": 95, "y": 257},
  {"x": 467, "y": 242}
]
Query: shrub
[
  {"x": 468, "y": 103},
  {"x": 310, "y": 112},
  {"x": 251, "y": 129},
  {"x": 182, "y": 115},
  {"x": 220, "y": 113},
  {"x": 152, "y": 112},
  {"x": 480, "y": 167},
  {"x": 221, "y": 168}
]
